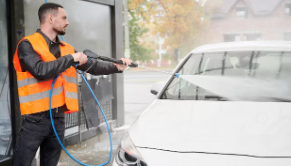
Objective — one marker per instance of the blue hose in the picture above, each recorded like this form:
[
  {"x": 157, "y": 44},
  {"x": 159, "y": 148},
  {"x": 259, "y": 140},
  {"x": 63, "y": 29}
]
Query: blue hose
[
  {"x": 100, "y": 110},
  {"x": 52, "y": 121}
]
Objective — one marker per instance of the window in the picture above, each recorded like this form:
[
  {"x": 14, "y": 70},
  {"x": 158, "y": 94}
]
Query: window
[
  {"x": 288, "y": 9},
  {"x": 241, "y": 12},
  {"x": 241, "y": 37},
  {"x": 246, "y": 66},
  {"x": 287, "y": 36},
  {"x": 253, "y": 37},
  {"x": 231, "y": 37}
]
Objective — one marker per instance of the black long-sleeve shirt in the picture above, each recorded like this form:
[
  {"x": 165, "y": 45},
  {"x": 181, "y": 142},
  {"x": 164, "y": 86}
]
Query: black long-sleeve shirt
[{"x": 31, "y": 61}]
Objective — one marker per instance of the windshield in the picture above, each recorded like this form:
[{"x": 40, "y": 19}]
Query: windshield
[{"x": 234, "y": 73}]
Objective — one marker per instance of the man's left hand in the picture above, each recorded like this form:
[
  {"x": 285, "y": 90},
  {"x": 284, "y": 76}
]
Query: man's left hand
[{"x": 125, "y": 64}]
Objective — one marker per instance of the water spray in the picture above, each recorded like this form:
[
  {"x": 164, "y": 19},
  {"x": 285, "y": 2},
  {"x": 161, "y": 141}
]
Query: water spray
[{"x": 173, "y": 74}]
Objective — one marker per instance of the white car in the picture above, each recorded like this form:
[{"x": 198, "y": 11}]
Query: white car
[{"x": 189, "y": 125}]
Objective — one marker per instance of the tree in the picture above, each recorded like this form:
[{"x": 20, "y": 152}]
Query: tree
[
  {"x": 137, "y": 50},
  {"x": 177, "y": 21}
]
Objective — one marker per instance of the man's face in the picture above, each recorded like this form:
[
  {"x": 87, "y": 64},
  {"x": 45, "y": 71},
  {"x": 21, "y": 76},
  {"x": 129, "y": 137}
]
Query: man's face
[{"x": 60, "y": 22}]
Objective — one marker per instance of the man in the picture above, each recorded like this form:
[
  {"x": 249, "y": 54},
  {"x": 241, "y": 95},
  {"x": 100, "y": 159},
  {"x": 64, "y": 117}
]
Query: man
[{"x": 37, "y": 60}]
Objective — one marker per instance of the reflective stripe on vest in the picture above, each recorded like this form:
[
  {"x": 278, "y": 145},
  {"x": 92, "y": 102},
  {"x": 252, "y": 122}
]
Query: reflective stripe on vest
[
  {"x": 70, "y": 79},
  {"x": 26, "y": 82},
  {"x": 41, "y": 95},
  {"x": 34, "y": 94}
]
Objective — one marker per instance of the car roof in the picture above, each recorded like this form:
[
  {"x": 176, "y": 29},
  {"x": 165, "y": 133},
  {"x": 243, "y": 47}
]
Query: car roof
[{"x": 282, "y": 46}]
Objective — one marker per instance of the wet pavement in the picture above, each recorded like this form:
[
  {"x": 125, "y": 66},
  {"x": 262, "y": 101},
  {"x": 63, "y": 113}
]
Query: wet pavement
[
  {"x": 94, "y": 151},
  {"x": 137, "y": 96}
]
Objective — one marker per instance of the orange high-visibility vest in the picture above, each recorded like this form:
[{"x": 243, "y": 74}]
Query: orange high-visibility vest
[{"x": 33, "y": 93}]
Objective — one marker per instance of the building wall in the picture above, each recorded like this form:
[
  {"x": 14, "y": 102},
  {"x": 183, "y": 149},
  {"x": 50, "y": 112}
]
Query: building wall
[{"x": 270, "y": 27}]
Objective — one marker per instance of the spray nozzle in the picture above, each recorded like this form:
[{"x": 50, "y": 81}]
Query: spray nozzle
[{"x": 177, "y": 75}]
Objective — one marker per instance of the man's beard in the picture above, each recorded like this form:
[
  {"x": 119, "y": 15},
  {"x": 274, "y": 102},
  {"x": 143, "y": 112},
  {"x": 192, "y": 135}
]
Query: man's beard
[{"x": 59, "y": 32}]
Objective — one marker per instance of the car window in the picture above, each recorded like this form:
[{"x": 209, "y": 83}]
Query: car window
[{"x": 244, "y": 64}]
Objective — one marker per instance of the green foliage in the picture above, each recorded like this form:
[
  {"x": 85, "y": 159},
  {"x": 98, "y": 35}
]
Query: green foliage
[{"x": 137, "y": 50}]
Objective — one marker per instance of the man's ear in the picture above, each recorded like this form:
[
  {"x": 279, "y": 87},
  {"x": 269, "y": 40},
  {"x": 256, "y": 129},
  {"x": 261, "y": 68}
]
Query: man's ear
[{"x": 50, "y": 17}]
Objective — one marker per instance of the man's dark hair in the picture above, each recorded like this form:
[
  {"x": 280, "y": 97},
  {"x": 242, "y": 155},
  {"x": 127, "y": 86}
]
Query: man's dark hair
[{"x": 47, "y": 8}]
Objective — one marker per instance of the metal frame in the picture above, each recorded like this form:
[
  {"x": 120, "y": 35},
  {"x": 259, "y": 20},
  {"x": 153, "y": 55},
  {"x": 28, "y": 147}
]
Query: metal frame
[
  {"x": 15, "y": 15},
  {"x": 14, "y": 104},
  {"x": 118, "y": 83},
  {"x": 103, "y": 2}
]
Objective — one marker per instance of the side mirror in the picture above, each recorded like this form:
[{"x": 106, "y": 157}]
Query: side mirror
[{"x": 157, "y": 87}]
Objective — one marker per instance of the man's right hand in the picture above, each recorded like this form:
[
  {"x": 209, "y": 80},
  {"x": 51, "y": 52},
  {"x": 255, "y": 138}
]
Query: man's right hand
[{"x": 80, "y": 57}]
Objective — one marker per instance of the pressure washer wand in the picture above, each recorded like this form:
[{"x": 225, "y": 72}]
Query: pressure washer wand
[
  {"x": 104, "y": 58},
  {"x": 93, "y": 55}
]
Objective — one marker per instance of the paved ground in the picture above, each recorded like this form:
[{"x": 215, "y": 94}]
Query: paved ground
[{"x": 137, "y": 85}]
